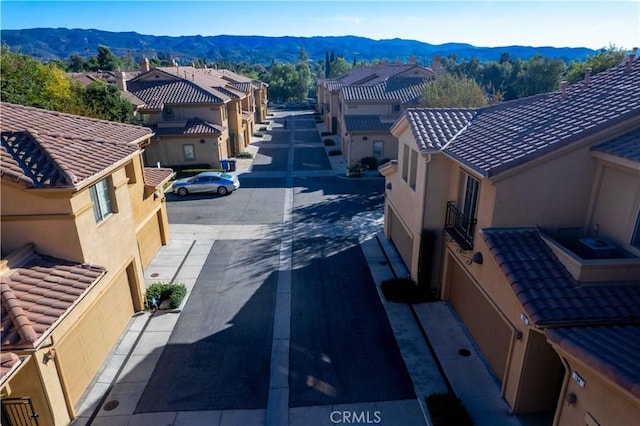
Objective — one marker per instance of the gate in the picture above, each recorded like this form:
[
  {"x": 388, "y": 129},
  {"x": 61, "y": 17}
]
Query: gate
[{"x": 18, "y": 412}]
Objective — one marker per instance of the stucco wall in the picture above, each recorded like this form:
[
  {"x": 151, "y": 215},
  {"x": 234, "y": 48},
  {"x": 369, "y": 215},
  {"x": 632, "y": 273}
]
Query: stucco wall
[
  {"x": 607, "y": 404},
  {"x": 169, "y": 151},
  {"x": 616, "y": 204}
]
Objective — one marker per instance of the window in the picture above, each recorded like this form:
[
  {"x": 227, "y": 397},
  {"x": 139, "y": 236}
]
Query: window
[
  {"x": 378, "y": 148},
  {"x": 395, "y": 108},
  {"x": 405, "y": 162},
  {"x": 189, "y": 152},
  {"x": 167, "y": 112},
  {"x": 468, "y": 196},
  {"x": 635, "y": 237},
  {"x": 101, "y": 197},
  {"x": 413, "y": 171}
]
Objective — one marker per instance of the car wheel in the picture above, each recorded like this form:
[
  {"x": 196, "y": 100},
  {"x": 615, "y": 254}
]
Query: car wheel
[
  {"x": 223, "y": 190},
  {"x": 182, "y": 191}
]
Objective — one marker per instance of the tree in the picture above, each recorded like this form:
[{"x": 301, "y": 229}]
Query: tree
[
  {"x": 540, "y": 75},
  {"x": 449, "y": 91},
  {"x": 77, "y": 63},
  {"x": 104, "y": 101},
  {"x": 605, "y": 58},
  {"x": 304, "y": 76},
  {"x": 107, "y": 61},
  {"x": 339, "y": 67},
  {"x": 26, "y": 81}
]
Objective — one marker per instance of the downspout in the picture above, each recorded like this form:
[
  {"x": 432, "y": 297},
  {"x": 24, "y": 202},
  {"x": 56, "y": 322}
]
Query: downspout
[{"x": 427, "y": 160}]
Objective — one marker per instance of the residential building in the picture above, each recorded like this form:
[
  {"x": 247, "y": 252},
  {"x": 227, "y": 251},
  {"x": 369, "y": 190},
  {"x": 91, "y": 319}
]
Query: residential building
[
  {"x": 199, "y": 115},
  {"x": 362, "y": 105},
  {"x": 80, "y": 219},
  {"x": 525, "y": 217}
]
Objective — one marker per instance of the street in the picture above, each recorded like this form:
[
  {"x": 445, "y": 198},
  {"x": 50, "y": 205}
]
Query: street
[{"x": 294, "y": 310}]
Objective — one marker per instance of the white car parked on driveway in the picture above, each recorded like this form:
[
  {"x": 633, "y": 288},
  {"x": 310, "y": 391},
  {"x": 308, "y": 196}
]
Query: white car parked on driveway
[{"x": 221, "y": 183}]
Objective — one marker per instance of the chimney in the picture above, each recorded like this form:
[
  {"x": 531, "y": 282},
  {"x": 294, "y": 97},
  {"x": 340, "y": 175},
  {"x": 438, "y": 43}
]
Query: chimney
[
  {"x": 563, "y": 89},
  {"x": 144, "y": 65},
  {"x": 436, "y": 63},
  {"x": 587, "y": 76},
  {"x": 174, "y": 63},
  {"x": 121, "y": 80},
  {"x": 632, "y": 57}
]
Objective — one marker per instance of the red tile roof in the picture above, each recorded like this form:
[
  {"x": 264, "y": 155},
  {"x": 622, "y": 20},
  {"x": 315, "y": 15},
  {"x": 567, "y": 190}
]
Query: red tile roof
[
  {"x": 157, "y": 176},
  {"x": 548, "y": 292},
  {"x": 41, "y": 148},
  {"x": 38, "y": 293},
  {"x": 193, "y": 126},
  {"x": 612, "y": 351}
]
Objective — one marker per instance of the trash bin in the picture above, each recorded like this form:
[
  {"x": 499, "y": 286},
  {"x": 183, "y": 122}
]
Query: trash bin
[
  {"x": 225, "y": 165},
  {"x": 232, "y": 165}
]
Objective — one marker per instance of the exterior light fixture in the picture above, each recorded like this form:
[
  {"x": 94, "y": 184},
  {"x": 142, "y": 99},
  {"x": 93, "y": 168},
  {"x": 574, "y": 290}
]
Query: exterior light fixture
[
  {"x": 389, "y": 186},
  {"x": 477, "y": 258}
]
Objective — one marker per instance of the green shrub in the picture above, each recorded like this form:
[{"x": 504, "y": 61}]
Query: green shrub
[
  {"x": 329, "y": 142},
  {"x": 263, "y": 129},
  {"x": 446, "y": 409},
  {"x": 403, "y": 290},
  {"x": 245, "y": 154},
  {"x": 371, "y": 163},
  {"x": 335, "y": 152},
  {"x": 356, "y": 169},
  {"x": 163, "y": 291},
  {"x": 258, "y": 134}
]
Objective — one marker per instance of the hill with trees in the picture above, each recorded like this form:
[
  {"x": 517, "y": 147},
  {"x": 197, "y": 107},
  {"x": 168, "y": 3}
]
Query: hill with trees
[{"x": 60, "y": 43}]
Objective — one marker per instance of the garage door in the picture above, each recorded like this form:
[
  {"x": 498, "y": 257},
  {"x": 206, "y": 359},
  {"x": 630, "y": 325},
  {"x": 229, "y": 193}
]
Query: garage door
[
  {"x": 401, "y": 239},
  {"x": 82, "y": 351},
  {"x": 149, "y": 240},
  {"x": 490, "y": 331}
]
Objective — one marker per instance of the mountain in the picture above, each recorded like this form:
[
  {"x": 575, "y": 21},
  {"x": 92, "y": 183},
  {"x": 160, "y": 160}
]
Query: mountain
[{"x": 60, "y": 43}]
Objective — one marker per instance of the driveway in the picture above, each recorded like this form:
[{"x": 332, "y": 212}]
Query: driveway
[{"x": 341, "y": 347}]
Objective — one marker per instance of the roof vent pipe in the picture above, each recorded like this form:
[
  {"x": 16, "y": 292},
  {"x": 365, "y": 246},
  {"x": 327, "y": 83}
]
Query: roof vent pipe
[
  {"x": 563, "y": 89},
  {"x": 587, "y": 76},
  {"x": 632, "y": 57}
]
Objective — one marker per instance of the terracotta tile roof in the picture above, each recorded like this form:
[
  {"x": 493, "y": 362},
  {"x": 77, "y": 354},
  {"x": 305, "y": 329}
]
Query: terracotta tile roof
[
  {"x": 38, "y": 293},
  {"x": 433, "y": 128},
  {"x": 157, "y": 93},
  {"x": 43, "y": 148},
  {"x": 366, "y": 123},
  {"x": 611, "y": 351},
  {"x": 406, "y": 90},
  {"x": 8, "y": 360},
  {"x": 221, "y": 83},
  {"x": 244, "y": 87},
  {"x": 506, "y": 135},
  {"x": 193, "y": 126},
  {"x": 547, "y": 291},
  {"x": 626, "y": 146},
  {"x": 371, "y": 76},
  {"x": 157, "y": 176}
]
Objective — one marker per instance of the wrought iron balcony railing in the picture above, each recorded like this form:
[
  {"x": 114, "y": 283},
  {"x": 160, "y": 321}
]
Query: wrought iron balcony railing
[{"x": 459, "y": 227}]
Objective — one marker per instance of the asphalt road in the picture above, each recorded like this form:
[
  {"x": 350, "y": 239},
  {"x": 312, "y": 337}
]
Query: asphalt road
[{"x": 342, "y": 349}]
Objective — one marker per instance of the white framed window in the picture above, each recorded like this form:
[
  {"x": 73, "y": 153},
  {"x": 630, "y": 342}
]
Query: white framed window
[
  {"x": 405, "y": 162},
  {"x": 168, "y": 112},
  {"x": 413, "y": 171},
  {"x": 102, "y": 202},
  {"x": 395, "y": 108},
  {"x": 378, "y": 148},
  {"x": 469, "y": 189},
  {"x": 189, "y": 152}
]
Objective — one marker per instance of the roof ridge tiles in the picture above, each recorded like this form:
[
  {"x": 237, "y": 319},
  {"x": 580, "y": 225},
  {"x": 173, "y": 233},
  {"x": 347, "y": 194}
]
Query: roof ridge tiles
[{"x": 18, "y": 316}]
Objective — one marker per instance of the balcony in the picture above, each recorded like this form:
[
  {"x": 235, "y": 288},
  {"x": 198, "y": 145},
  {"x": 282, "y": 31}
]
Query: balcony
[{"x": 459, "y": 227}]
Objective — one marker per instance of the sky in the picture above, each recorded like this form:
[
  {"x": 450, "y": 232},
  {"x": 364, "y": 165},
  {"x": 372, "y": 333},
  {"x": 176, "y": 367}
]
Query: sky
[{"x": 561, "y": 23}]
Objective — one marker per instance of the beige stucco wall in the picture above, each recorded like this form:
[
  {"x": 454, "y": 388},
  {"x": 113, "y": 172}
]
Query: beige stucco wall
[
  {"x": 27, "y": 382},
  {"x": 616, "y": 203},
  {"x": 169, "y": 151},
  {"x": 355, "y": 148},
  {"x": 559, "y": 188},
  {"x": 607, "y": 403}
]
